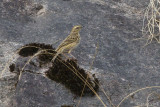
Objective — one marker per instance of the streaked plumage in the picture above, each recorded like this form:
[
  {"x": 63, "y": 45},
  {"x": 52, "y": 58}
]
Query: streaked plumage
[{"x": 70, "y": 42}]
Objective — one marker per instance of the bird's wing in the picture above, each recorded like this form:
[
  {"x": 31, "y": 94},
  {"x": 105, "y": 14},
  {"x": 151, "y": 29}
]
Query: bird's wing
[{"x": 67, "y": 41}]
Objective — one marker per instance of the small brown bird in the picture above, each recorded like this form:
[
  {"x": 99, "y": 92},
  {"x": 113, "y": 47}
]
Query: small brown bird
[{"x": 70, "y": 42}]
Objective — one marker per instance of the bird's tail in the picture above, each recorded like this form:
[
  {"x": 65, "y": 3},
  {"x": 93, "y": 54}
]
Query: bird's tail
[{"x": 55, "y": 56}]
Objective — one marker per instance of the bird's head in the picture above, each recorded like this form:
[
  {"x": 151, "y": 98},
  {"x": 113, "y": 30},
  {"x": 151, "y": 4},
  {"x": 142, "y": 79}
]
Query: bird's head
[{"x": 76, "y": 29}]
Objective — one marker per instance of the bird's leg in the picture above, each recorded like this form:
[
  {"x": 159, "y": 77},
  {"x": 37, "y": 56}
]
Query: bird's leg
[
  {"x": 66, "y": 57},
  {"x": 72, "y": 56}
]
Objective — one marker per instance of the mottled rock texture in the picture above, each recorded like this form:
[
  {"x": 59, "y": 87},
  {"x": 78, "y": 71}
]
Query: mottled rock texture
[{"x": 121, "y": 65}]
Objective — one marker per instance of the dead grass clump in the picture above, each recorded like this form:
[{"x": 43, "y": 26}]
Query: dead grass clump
[
  {"x": 151, "y": 22},
  {"x": 60, "y": 71},
  {"x": 67, "y": 72},
  {"x": 32, "y": 48},
  {"x": 76, "y": 77}
]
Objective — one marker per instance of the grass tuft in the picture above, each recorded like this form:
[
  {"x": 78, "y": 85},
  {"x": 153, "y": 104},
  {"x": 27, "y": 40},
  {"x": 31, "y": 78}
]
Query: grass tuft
[{"x": 151, "y": 22}]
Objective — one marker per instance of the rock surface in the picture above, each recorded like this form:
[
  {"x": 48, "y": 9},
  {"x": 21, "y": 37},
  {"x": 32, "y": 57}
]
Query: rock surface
[{"x": 121, "y": 65}]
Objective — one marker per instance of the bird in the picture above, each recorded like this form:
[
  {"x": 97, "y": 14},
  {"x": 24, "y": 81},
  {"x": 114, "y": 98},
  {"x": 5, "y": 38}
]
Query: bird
[{"x": 69, "y": 43}]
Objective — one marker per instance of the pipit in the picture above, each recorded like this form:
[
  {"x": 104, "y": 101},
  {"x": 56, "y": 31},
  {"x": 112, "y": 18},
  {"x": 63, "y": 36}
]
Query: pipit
[{"x": 69, "y": 43}]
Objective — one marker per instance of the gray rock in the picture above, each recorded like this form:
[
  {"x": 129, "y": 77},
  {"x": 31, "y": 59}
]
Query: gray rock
[{"x": 121, "y": 65}]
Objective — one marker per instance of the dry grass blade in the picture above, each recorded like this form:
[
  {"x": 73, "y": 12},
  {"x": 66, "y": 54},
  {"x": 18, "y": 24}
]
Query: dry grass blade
[
  {"x": 45, "y": 50},
  {"x": 9, "y": 61},
  {"x": 83, "y": 79},
  {"x": 87, "y": 75},
  {"x": 38, "y": 53},
  {"x": 147, "y": 102},
  {"x": 89, "y": 86},
  {"x": 141, "y": 89},
  {"x": 151, "y": 22},
  {"x": 7, "y": 64},
  {"x": 96, "y": 52}
]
